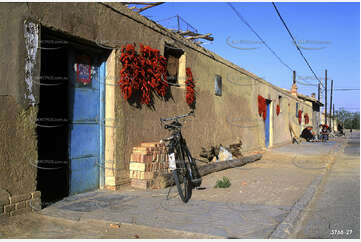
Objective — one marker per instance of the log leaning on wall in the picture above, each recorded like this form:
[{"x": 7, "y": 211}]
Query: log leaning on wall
[{"x": 166, "y": 180}]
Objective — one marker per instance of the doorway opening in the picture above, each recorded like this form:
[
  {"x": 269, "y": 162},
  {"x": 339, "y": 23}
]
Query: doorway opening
[
  {"x": 52, "y": 120},
  {"x": 267, "y": 125},
  {"x": 66, "y": 97}
]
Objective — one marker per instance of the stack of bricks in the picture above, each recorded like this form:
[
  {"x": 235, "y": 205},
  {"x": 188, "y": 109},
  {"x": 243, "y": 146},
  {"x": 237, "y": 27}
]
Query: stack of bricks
[
  {"x": 20, "y": 204},
  {"x": 146, "y": 162}
]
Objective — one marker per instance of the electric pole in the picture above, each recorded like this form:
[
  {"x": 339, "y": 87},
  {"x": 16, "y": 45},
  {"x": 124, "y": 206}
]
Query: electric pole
[
  {"x": 331, "y": 104},
  {"x": 294, "y": 77},
  {"x": 319, "y": 92},
  {"x": 326, "y": 97},
  {"x": 333, "y": 113}
]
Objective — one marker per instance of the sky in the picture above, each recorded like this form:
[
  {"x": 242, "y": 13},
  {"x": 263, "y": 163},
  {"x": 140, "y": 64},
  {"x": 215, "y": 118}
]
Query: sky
[{"x": 328, "y": 34}]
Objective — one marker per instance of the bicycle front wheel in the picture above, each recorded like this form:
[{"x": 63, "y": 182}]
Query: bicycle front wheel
[{"x": 182, "y": 178}]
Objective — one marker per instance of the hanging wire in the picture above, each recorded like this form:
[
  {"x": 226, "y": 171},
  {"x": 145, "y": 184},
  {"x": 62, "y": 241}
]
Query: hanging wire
[
  {"x": 259, "y": 37},
  {"x": 294, "y": 41}
]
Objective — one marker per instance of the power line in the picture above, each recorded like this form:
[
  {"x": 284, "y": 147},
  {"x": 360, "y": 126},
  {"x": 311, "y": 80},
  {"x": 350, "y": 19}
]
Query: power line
[
  {"x": 306, "y": 84},
  {"x": 294, "y": 41},
  {"x": 345, "y": 89},
  {"x": 259, "y": 37}
]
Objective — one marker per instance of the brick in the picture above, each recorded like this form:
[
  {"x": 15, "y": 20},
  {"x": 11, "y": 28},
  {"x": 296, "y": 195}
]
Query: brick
[
  {"x": 135, "y": 166},
  {"x": 141, "y": 184},
  {"x": 146, "y": 158},
  {"x": 155, "y": 156},
  {"x": 141, "y": 150},
  {"x": 141, "y": 158},
  {"x": 9, "y": 208},
  {"x": 36, "y": 194},
  {"x": 150, "y": 144},
  {"x": 141, "y": 175},
  {"x": 20, "y": 205},
  {"x": 20, "y": 211},
  {"x": 135, "y": 157},
  {"x": 19, "y": 198},
  {"x": 110, "y": 181}
]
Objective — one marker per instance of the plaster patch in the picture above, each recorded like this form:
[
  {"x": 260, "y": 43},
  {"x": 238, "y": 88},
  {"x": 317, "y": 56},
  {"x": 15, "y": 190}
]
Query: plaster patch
[{"x": 31, "y": 35}]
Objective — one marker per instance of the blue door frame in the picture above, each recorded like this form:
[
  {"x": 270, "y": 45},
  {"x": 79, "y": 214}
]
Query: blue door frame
[
  {"x": 267, "y": 125},
  {"x": 86, "y": 116}
]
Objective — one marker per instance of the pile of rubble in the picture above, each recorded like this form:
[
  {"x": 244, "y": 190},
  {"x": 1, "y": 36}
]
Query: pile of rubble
[{"x": 221, "y": 153}]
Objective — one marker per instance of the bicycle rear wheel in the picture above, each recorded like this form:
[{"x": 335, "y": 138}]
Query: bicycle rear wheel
[
  {"x": 181, "y": 177},
  {"x": 195, "y": 176}
]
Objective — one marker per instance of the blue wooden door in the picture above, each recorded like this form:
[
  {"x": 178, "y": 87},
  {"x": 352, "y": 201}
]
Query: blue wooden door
[
  {"x": 85, "y": 115},
  {"x": 267, "y": 125}
]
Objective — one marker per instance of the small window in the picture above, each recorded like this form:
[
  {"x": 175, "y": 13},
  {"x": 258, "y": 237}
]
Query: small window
[
  {"x": 172, "y": 54},
  {"x": 218, "y": 85},
  {"x": 296, "y": 110}
]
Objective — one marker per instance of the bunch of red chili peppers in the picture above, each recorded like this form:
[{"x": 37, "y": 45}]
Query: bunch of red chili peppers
[
  {"x": 299, "y": 116},
  {"x": 142, "y": 73},
  {"x": 262, "y": 107},
  {"x": 278, "y": 109},
  {"x": 307, "y": 119},
  {"x": 190, "y": 94}
]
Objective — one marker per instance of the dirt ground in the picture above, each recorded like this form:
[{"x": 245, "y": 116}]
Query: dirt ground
[
  {"x": 34, "y": 226},
  {"x": 275, "y": 180}
]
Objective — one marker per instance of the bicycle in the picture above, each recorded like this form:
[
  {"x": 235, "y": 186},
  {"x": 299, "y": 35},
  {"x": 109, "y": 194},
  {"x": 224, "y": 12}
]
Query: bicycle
[{"x": 181, "y": 163}]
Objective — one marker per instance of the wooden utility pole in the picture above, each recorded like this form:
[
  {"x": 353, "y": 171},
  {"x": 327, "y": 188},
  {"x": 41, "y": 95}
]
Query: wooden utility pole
[
  {"x": 294, "y": 77},
  {"x": 326, "y": 97},
  {"x": 319, "y": 92},
  {"x": 333, "y": 114},
  {"x": 331, "y": 104}
]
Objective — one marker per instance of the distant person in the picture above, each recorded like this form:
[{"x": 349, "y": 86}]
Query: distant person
[
  {"x": 307, "y": 134},
  {"x": 324, "y": 132},
  {"x": 350, "y": 131},
  {"x": 340, "y": 129}
]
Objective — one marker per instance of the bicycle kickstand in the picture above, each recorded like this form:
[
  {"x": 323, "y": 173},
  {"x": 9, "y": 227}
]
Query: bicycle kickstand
[{"x": 170, "y": 188}]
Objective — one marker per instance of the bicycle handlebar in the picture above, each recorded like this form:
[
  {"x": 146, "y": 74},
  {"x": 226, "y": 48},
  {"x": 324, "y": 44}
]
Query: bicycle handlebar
[{"x": 178, "y": 117}]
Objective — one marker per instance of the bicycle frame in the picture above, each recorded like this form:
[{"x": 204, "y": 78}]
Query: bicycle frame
[{"x": 181, "y": 162}]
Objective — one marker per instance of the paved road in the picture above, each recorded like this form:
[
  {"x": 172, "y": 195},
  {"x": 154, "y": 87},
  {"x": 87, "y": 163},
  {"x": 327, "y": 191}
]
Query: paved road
[
  {"x": 260, "y": 197},
  {"x": 335, "y": 211}
]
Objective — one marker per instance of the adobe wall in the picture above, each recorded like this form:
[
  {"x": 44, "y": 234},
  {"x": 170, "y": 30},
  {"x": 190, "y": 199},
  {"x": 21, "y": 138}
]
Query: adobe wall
[
  {"x": 222, "y": 119},
  {"x": 18, "y": 142}
]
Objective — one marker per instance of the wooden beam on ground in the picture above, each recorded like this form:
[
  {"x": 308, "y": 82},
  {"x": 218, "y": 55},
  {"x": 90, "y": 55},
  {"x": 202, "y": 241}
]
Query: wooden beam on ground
[{"x": 166, "y": 180}]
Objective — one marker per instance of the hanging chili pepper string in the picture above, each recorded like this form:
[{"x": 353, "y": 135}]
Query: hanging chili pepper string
[
  {"x": 190, "y": 85},
  {"x": 142, "y": 73},
  {"x": 307, "y": 119},
  {"x": 299, "y": 116},
  {"x": 278, "y": 109},
  {"x": 262, "y": 107}
]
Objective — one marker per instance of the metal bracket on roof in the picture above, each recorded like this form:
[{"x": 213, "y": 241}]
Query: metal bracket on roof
[{"x": 147, "y": 5}]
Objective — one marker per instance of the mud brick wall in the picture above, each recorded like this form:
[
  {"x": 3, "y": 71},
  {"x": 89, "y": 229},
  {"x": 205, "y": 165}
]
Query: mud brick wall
[
  {"x": 19, "y": 204},
  {"x": 146, "y": 162}
]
